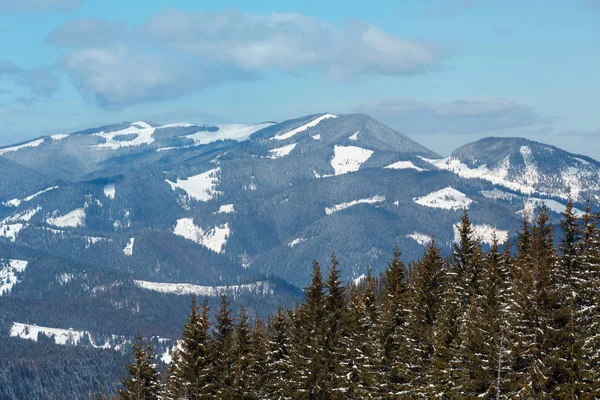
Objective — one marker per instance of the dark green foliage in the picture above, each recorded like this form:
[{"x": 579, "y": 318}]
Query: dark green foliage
[
  {"x": 142, "y": 381},
  {"x": 483, "y": 324}
]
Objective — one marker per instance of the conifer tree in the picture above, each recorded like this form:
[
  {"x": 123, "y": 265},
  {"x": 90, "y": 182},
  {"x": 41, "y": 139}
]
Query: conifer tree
[
  {"x": 142, "y": 381},
  {"x": 589, "y": 299},
  {"x": 242, "y": 347},
  {"x": 258, "y": 361},
  {"x": 189, "y": 374},
  {"x": 279, "y": 383},
  {"x": 335, "y": 310},
  {"x": 392, "y": 318},
  {"x": 414, "y": 357},
  {"x": 221, "y": 353}
]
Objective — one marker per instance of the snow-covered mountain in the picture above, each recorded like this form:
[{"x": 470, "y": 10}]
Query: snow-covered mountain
[
  {"x": 526, "y": 167},
  {"x": 112, "y": 228}
]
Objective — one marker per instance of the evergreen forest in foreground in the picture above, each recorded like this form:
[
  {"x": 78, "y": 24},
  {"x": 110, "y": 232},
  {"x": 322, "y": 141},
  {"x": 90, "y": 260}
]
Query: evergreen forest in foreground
[{"x": 484, "y": 323}]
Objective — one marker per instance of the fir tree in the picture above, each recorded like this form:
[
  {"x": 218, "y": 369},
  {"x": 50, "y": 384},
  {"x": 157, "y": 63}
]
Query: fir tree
[
  {"x": 278, "y": 375},
  {"x": 242, "y": 347},
  {"x": 335, "y": 310},
  {"x": 257, "y": 381},
  {"x": 222, "y": 355},
  {"x": 189, "y": 374},
  {"x": 142, "y": 381}
]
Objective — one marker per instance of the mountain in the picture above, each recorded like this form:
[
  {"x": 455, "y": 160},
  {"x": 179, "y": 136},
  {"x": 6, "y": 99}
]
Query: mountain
[
  {"x": 107, "y": 231},
  {"x": 527, "y": 167}
]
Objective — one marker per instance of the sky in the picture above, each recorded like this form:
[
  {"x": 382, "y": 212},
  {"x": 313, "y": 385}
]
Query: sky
[{"x": 444, "y": 72}]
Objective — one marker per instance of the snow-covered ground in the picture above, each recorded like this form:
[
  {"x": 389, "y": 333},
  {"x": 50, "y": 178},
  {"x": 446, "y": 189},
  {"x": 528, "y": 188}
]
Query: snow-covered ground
[
  {"x": 72, "y": 219},
  {"x": 110, "y": 191},
  {"x": 296, "y": 242},
  {"x": 128, "y": 250},
  {"x": 33, "y": 143},
  {"x": 281, "y": 151},
  {"x": 137, "y": 134},
  {"x": 10, "y": 272},
  {"x": 258, "y": 288},
  {"x": 354, "y": 136},
  {"x": 420, "y": 238},
  {"x": 531, "y": 205},
  {"x": 202, "y": 187},
  {"x": 17, "y": 202},
  {"x": 498, "y": 175},
  {"x": 484, "y": 233},
  {"x": 348, "y": 159},
  {"x": 59, "y": 136},
  {"x": 10, "y": 231},
  {"x": 343, "y": 206},
  {"x": 447, "y": 199},
  {"x": 24, "y": 216},
  {"x": 404, "y": 165},
  {"x": 304, "y": 127},
  {"x": 225, "y": 209},
  {"x": 237, "y": 132},
  {"x": 497, "y": 194},
  {"x": 214, "y": 239}
]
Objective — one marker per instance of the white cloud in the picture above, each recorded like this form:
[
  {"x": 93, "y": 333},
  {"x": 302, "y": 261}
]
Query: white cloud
[{"x": 176, "y": 52}]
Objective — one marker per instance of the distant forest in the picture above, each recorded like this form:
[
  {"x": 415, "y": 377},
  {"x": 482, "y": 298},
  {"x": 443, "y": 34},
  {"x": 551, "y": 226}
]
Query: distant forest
[{"x": 483, "y": 324}]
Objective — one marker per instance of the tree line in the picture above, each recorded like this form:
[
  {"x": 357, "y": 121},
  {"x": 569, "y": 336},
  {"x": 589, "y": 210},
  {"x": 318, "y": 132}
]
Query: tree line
[{"x": 481, "y": 324}]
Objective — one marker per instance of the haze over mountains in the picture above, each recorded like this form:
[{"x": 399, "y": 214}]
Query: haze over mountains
[{"x": 112, "y": 228}]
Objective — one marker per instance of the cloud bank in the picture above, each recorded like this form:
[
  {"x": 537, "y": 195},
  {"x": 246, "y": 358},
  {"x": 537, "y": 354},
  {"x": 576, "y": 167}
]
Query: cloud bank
[
  {"x": 456, "y": 117},
  {"x": 174, "y": 53}
]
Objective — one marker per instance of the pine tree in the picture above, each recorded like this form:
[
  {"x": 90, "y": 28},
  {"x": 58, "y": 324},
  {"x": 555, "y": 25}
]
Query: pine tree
[
  {"x": 565, "y": 337},
  {"x": 142, "y": 381},
  {"x": 189, "y": 374},
  {"x": 309, "y": 335},
  {"x": 414, "y": 357},
  {"x": 589, "y": 299},
  {"x": 242, "y": 347},
  {"x": 446, "y": 344},
  {"x": 392, "y": 318},
  {"x": 279, "y": 383},
  {"x": 221, "y": 353},
  {"x": 335, "y": 310},
  {"x": 258, "y": 361}
]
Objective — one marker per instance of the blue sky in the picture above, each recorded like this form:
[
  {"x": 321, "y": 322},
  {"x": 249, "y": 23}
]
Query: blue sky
[{"x": 445, "y": 72}]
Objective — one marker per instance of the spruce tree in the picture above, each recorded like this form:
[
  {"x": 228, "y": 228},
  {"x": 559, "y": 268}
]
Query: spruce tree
[
  {"x": 242, "y": 347},
  {"x": 335, "y": 310},
  {"x": 589, "y": 299},
  {"x": 279, "y": 383},
  {"x": 189, "y": 373},
  {"x": 221, "y": 353},
  {"x": 257, "y": 379},
  {"x": 142, "y": 381},
  {"x": 414, "y": 356}
]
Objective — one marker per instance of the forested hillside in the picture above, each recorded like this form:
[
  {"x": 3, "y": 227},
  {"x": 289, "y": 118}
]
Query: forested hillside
[{"x": 481, "y": 324}]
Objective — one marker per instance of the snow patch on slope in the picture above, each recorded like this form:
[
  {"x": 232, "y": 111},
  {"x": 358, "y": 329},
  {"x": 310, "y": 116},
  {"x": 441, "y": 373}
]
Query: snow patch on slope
[
  {"x": 237, "y": 132},
  {"x": 225, "y": 209},
  {"x": 110, "y": 191},
  {"x": 498, "y": 175},
  {"x": 404, "y": 165},
  {"x": 348, "y": 159},
  {"x": 214, "y": 239},
  {"x": 128, "y": 250},
  {"x": 354, "y": 136},
  {"x": 296, "y": 242},
  {"x": 532, "y": 204},
  {"x": 484, "y": 233},
  {"x": 201, "y": 187},
  {"x": 497, "y": 194},
  {"x": 33, "y": 143},
  {"x": 10, "y": 231},
  {"x": 259, "y": 288},
  {"x": 141, "y": 132},
  {"x": 281, "y": 151},
  {"x": 72, "y": 219},
  {"x": 304, "y": 127},
  {"x": 24, "y": 216},
  {"x": 343, "y": 206},
  {"x": 59, "y": 136},
  {"x": 420, "y": 238},
  {"x": 446, "y": 199},
  {"x": 10, "y": 272},
  {"x": 17, "y": 202}
]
